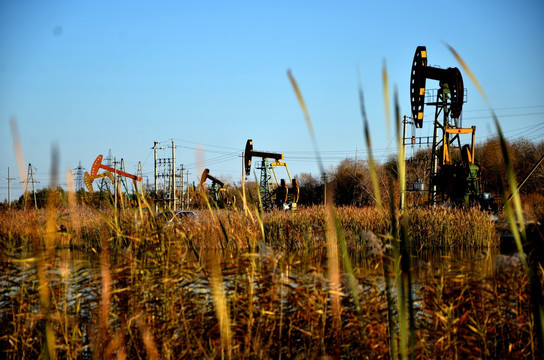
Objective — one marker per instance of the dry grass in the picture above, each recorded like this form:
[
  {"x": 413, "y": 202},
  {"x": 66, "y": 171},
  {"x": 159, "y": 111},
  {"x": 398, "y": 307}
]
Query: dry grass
[
  {"x": 231, "y": 230},
  {"x": 279, "y": 305},
  {"x": 146, "y": 289},
  {"x": 162, "y": 290}
]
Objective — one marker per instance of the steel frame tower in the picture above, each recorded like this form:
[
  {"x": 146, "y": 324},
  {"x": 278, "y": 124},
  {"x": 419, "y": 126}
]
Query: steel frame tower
[
  {"x": 448, "y": 102},
  {"x": 79, "y": 177},
  {"x": 265, "y": 184}
]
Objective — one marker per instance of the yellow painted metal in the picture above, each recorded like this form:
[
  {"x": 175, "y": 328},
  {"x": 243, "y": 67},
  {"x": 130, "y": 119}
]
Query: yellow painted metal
[
  {"x": 110, "y": 176},
  {"x": 459, "y": 130},
  {"x": 445, "y": 150},
  {"x": 470, "y": 158},
  {"x": 88, "y": 180},
  {"x": 473, "y": 140},
  {"x": 279, "y": 163}
]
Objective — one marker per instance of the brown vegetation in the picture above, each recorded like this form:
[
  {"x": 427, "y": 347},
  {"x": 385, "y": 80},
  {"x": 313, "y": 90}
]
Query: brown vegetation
[
  {"x": 160, "y": 304},
  {"x": 87, "y": 229}
]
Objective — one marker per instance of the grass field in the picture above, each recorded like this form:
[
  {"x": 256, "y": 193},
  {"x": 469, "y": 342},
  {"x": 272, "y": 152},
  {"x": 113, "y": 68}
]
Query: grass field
[
  {"x": 150, "y": 289},
  {"x": 220, "y": 229},
  {"x": 318, "y": 283}
]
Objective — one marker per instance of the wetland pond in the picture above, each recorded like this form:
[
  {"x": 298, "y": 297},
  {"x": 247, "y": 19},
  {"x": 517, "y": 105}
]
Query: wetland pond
[{"x": 276, "y": 304}]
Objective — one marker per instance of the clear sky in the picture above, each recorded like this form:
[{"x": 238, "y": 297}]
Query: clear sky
[{"x": 90, "y": 76}]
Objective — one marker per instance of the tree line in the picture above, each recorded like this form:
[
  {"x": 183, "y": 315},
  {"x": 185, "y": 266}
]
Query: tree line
[
  {"x": 350, "y": 181},
  {"x": 352, "y": 185}
]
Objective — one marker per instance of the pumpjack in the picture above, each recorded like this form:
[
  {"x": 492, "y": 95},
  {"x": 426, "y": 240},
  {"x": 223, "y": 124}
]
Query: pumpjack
[
  {"x": 218, "y": 189},
  {"x": 109, "y": 171},
  {"x": 273, "y": 194},
  {"x": 457, "y": 182}
]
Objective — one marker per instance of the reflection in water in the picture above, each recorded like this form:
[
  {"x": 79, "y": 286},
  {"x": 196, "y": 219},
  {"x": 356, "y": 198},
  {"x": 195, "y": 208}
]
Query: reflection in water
[
  {"x": 171, "y": 294},
  {"x": 470, "y": 261},
  {"x": 78, "y": 273}
]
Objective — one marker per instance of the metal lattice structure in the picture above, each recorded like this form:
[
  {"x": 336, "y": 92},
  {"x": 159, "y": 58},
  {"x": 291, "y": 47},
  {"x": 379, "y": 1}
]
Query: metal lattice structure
[
  {"x": 459, "y": 182},
  {"x": 269, "y": 189},
  {"x": 79, "y": 171}
]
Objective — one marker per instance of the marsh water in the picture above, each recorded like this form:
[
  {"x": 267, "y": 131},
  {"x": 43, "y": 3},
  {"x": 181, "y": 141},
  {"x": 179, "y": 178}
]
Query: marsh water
[
  {"x": 80, "y": 274},
  {"x": 88, "y": 296}
]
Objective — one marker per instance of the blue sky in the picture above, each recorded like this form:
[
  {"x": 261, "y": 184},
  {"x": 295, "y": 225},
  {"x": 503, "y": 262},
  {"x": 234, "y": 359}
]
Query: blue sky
[{"x": 90, "y": 76}]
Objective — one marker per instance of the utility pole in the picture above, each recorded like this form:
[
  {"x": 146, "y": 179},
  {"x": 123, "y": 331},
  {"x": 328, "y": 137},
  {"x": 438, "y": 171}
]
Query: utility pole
[
  {"x": 168, "y": 177},
  {"x": 140, "y": 173},
  {"x": 9, "y": 188},
  {"x": 155, "y": 143},
  {"x": 173, "y": 176},
  {"x": 25, "y": 197},
  {"x": 243, "y": 181},
  {"x": 30, "y": 178},
  {"x": 104, "y": 181},
  {"x": 115, "y": 185},
  {"x": 182, "y": 170},
  {"x": 187, "y": 189},
  {"x": 121, "y": 198},
  {"x": 403, "y": 176},
  {"x": 33, "y": 187},
  {"x": 325, "y": 189}
]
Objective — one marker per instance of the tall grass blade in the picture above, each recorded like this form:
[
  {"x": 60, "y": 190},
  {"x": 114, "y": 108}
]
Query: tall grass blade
[
  {"x": 385, "y": 79},
  {"x": 386, "y": 256},
  {"x": 331, "y": 219},
  {"x": 401, "y": 302},
  {"x": 50, "y": 227},
  {"x": 509, "y": 168},
  {"x": 517, "y": 221},
  {"x": 334, "y": 267},
  {"x": 407, "y": 301},
  {"x": 221, "y": 307},
  {"x": 244, "y": 198},
  {"x": 259, "y": 209},
  {"x": 469, "y": 72},
  {"x": 18, "y": 148},
  {"x": 302, "y": 104},
  {"x": 366, "y": 132}
]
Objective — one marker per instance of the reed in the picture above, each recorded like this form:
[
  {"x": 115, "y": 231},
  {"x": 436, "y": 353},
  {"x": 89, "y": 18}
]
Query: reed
[
  {"x": 304, "y": 229},
  {"x": 228, "y": 284},
  {"x": 278, "y": 307},
  {"x": 517, "y": 222}
]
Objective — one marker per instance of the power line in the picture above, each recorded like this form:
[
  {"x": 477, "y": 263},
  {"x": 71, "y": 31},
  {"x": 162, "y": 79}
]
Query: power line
[
  {"x": 507, "y": 108},
  {"x": 503, "y": 116}
]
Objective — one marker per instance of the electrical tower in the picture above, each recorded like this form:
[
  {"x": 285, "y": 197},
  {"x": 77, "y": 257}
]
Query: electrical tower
[
  {"x": 30, "y": 179},
  {"x": 166, "y": 177},
  {"x": 105, "y": 182},
  {"x": 79, "y": 177},
  {"x": 265, "y": 183},
  {"x": 9, "y": 178}
]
